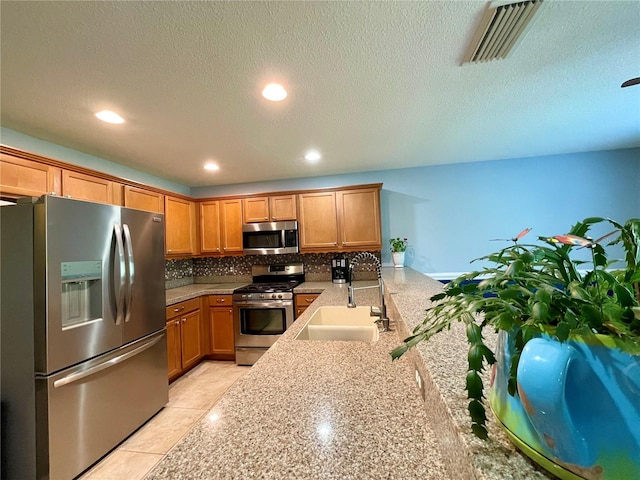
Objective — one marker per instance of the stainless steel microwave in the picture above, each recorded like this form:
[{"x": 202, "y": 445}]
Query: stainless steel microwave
[{"x": 270, "y": 238}]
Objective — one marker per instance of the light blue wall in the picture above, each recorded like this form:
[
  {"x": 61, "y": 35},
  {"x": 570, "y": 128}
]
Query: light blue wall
[
  {"x": 449, "y": 213},
  {"x": 21, "y": 141}
]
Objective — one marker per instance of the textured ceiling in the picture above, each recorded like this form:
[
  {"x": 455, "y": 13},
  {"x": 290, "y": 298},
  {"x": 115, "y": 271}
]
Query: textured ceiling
[{"x": 372, "y": 85}]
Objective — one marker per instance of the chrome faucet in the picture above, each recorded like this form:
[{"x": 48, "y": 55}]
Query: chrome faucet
[{"x": 380, "y": 312}]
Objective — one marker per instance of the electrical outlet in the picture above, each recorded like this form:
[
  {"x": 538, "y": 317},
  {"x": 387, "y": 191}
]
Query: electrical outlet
[{"x": 420, "y": 383}]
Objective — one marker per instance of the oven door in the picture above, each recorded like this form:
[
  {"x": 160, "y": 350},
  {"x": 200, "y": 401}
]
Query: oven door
[{"x": 260, "y": 323}]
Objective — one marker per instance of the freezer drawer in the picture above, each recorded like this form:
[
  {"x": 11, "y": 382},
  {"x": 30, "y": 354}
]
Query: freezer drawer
[{"x": 85, "y": 411}]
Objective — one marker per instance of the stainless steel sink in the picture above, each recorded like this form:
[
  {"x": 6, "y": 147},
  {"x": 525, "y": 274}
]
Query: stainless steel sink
[{"x": 342, "y": 324}]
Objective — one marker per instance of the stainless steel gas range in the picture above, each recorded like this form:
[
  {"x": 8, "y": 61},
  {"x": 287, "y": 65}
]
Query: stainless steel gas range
[{"x": 263, "y": 310}]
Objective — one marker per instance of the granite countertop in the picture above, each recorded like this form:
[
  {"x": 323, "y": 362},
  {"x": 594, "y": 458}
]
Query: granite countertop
[
  {"x": 344, "y": 410},
  {"x": 180, "y": 294}
]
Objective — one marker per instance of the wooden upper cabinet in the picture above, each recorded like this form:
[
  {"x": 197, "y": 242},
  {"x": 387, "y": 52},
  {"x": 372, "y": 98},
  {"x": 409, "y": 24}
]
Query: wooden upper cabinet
[
  {"x": 282, "y": 208},
  {"x": 277, "y": 208},
  {"x": 210, "y": 240},
  {"x": 180, "y": 224},
  {"x": 87, "y": 187},
  {"x": 231, "y": 225},
  {"x": 318, "y": 222},
  {"x": 359, "y": 218},
  {"x": 142, "y": 199},
  {"x": 20, "y": 177},
  {"x": 342, "y": 220},
  {"x": 256, "y": 209}
]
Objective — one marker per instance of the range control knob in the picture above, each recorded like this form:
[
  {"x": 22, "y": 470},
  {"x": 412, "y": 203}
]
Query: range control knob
[
  {"x": 280, "y": 295},
  {"x": 273, "y": 295}
]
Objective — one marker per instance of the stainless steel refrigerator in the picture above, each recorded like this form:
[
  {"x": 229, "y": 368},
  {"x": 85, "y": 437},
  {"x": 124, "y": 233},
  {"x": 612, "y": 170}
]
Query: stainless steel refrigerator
[{"x": 83, "y": 342}]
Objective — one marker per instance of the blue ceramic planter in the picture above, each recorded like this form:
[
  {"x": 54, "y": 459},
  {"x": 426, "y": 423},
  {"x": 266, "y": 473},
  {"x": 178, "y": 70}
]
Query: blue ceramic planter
[{"x": 577, "y": 410}]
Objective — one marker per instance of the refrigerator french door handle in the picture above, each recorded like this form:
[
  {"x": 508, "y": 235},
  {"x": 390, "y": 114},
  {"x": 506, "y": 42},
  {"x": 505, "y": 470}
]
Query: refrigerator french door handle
[
  {"x": 119, "y": 286},
  {"x": 131, "y": 269},
  {"x": 74, "y": 377}
]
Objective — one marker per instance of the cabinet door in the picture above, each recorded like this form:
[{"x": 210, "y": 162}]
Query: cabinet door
[
  {"x": 142, "y": 199},
  {"x": 283, "y": 207},
  {"x": 174, "y": 348},
  {"x": 190, "y": 335},
  {"x": 86, "y": 187},
  {"x": 20, "y": 177},
  {"x": 256, "y": 209},
  {"x": 231, "y": 216},
  {"x": 221, "y": 328},
  {"x": 303, "y": 300},
  {"x": 318, "y": 226},
  {"x": 180, "y": 226},
  {"x": 210, "y": 227},
  {"x": 359, "y": 218}
]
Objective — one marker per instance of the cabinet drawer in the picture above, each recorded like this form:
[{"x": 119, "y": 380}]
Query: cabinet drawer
[
  {"x": 220, "y": 300},
  {"x": 182, "y": 308},
  {"x": 305, "y": 299}
]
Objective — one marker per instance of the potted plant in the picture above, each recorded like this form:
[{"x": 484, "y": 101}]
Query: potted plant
[
  {"x": 398, "y": 247},
  {"x": 566, "y": 370}
]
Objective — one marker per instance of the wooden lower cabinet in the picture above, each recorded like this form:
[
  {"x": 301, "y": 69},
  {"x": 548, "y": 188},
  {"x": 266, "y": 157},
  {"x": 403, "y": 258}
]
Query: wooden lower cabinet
[
  {"x": 221, "y": 332},
  {"x": 184, "y": 337},
  {"x": 302, "y": 301}
]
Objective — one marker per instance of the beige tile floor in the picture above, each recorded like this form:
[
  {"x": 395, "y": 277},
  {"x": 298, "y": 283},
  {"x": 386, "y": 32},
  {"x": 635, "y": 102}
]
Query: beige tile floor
[{"x": 190, "y": 397}]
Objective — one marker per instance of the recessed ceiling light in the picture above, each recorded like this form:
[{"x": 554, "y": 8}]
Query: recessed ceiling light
[
  {"x": 211, "y": 166},
  {"x": 274, "y": 92},
  {"x": 312, "y": 156},
  {"x": 109, "y": 117}
]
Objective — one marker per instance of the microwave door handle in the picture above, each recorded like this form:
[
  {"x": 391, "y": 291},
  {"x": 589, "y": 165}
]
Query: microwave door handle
[
  {"x": 131, "y": 270},
  {"x": 119, "y": 280}
]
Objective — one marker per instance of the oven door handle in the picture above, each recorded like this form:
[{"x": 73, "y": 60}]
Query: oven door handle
[{"x": 261, "y": 304}]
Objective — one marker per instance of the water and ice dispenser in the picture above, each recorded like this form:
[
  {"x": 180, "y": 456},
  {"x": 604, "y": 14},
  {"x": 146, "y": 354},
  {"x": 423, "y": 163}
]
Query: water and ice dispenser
[{"x": 81, "y": 293}]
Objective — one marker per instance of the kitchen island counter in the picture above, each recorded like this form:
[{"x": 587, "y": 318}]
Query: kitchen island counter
[
  {"x": 344, "y": 410},
  {"x": 315, "y": 410}
]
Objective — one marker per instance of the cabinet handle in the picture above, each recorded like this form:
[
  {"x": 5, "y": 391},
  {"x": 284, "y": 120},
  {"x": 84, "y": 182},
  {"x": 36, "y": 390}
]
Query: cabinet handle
[
  {"x": 220, "y": 300},
  {"x": 179, "y": 309},
  {"x": 168, "y": 250},
  {"x": 184, "y": 320}
]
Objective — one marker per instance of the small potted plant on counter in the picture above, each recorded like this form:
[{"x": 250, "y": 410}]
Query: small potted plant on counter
[
  {"x": 398, "y": 248},
  {"x": 565, "y": 382}
]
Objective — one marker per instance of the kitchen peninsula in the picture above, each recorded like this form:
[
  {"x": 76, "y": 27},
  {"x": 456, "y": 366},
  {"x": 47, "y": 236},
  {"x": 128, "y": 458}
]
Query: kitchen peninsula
[{"x": 344, "y": 410}]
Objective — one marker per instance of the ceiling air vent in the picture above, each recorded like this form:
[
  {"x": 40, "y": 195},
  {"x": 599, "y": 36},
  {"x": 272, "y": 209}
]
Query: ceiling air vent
[{"x": 500, "y": 30}]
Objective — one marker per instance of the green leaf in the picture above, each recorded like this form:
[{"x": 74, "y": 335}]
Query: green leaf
[
  {"x": 477, "y": 412},
  {"x": 474, "y": 333},
  {"x": 543, "y": 295},
  {"x": 399, "y": 351},
  {"x": 577, "y": 291},
  {"x": 475, "y": 357},
  {"x": 540, "y": 312},
  {"x": 562, "y": 331},
  {"x": 625, "y": 298},
  {"x": 480, "y": 431},
  {"x": 438, "y": 296},
  {"x": 474, "y": 385}
]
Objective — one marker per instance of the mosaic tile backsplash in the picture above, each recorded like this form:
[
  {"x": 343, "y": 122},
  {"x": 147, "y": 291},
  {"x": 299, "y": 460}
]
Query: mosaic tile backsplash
[{"x": 233, "y": 269}]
